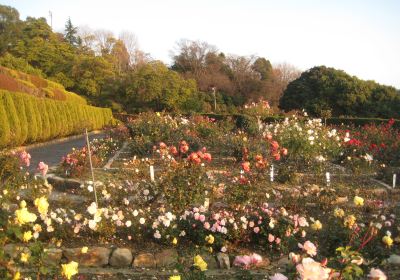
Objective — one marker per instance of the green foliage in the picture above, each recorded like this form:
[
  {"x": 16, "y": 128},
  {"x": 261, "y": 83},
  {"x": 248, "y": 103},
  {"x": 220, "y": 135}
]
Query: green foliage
[
  {"x": 5, "y": 133},
  {"x": 323, "y": 89},
  {"x": 155, "y": 86},
  {"x": 13, "y": 120},
  {"x": 18, "y": 63},
  {"x": 20, "y": 106},
  {"x": 26, "y": 119},
  {"x": 33, "y": 127}
]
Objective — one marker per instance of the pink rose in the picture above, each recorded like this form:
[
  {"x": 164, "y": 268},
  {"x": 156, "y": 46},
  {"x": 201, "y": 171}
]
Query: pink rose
[
  {"x": 309, "y": 247},
  {"x": 43, "y": 168}
]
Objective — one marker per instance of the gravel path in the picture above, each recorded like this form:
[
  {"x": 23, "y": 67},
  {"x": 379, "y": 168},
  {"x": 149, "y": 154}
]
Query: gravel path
[{"x": 52, "y": 153}]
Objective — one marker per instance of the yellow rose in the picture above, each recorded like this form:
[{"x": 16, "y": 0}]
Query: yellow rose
[
  {"x": 175, "y": 277},
  {"x": 23, "y": 216},
  {"x": 84, "y": 250},
  {"x": 17, "y": 276},
  {"x": 22, "y": 204},
  {"x": 210, "y": 239},
  {"x": 175, "y": 241},
  {"x": 24, "y": 257},
  {"x": 42, "y": 205},
  {"x": 317, "y": 225},
  {"x": 387, "y": 240},
  {"x": 200, "y": 263},
  {"x": 358, "y": 201},
  {"x": 349, "y": 221},
  {"x": 70, "y": 269},
  {"x": 27, "y": 236},
  {"x": 339, "y": 213}
]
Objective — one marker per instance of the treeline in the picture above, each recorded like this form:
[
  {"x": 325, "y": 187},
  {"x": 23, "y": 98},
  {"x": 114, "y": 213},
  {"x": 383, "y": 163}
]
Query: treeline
[
  {"x": 112, "y": 71},
  {"x": 28, "y": 119},
  {"x": 324, "y": 91}
]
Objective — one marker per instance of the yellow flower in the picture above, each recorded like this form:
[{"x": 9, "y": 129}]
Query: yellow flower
[
  {"x": 349, "y": 221},
  {"x": 42, "y": 205},
  {"x": 210, "y": 239},
  {"x": 24, "y": 257},
  {"x": 175, "y": 277},
  {"x": 17, "y": 276},
  {"x": 387, "y": 240},
  {"x": 70, "y": 269},
  {"x": 23, "y": 216},
  {"x": 358, "y": 201},
  {"x": 175, "y": 241},
  {"x": 317, "y": 225},
  {"x": 84, "y": 250},
  {"x": 210, "y": 249},
  {"x": 200, "y": 263},
  {"x": 158, "y": 114},
  {"x": 339, "y": 213},
  {"x": 22, "y": 204},
  {"x": 27, "y": 236}
]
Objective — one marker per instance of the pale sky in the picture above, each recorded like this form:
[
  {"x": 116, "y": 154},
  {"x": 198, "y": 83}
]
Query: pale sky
[{"x": 359, "y": 37}]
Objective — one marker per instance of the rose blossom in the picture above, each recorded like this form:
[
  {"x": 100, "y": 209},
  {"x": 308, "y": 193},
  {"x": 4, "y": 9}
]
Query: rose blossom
[{"x": 309, "y": 247}]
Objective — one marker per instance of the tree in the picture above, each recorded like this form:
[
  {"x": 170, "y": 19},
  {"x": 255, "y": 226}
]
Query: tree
[
  {"x": 263, "y": 67},
  {"x": 191, "y": 57},
  {"x": 70, "y": 34},
  {"x": 154, "y": 86},
  {"x": 9, "y": 27},
  {"x": 120, "y": 57},
  {"x": 321, "y": 89}
]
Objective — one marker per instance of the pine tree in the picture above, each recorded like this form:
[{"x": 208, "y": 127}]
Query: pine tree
[{"x": 70, "y": 34}]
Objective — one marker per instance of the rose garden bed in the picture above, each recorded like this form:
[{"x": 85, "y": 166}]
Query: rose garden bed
[{"x": 214, "y": 200}]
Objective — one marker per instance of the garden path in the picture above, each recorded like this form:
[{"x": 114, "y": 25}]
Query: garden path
[{"x": 52, "y": 152}]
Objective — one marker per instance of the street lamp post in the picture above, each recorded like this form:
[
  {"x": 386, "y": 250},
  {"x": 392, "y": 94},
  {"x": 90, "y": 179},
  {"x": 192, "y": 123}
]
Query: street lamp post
[{"x": 215, "y": 99}]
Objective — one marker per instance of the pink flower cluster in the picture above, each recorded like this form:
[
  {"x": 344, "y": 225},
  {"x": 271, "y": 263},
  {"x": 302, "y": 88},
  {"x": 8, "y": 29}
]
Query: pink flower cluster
[
  {"x": 247, "y": 261},
  {"x": 24, "y": 158}
]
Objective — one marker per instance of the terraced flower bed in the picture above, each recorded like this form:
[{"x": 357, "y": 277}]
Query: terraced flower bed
[{"x": 290, "y": 200}]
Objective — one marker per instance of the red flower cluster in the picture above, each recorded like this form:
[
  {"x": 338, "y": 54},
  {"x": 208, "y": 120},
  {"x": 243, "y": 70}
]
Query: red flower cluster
[{"x": 198, "y": 156}]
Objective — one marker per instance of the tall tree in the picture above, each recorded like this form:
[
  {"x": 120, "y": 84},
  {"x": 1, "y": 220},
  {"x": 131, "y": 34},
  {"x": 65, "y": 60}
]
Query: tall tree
[{"x": 70, "y": 34}]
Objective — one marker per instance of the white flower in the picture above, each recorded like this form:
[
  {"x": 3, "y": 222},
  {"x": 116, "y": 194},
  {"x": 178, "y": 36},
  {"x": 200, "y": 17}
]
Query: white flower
[
  {"x": 128, "y": 223},
  {"x": 90, "y": 188},
  {"x": 92, "y": 224},
  {"x": 146, "y": 192},
  {"x": 135, "y": 213},
  {"x": 142, "y": 221},
  {"x": 157, "y": 235},
  {"x": 92, "y": 209}
]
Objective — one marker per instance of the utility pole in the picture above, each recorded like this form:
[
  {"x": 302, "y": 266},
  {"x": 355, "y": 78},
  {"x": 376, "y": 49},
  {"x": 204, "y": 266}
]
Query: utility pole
[
  {"x": 215, "y": 99},
  {"x": 51, "y": 19}
]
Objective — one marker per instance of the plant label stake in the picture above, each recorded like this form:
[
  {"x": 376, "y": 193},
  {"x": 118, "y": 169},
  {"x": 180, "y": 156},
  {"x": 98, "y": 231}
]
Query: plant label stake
[
  {"x": 206, "y": 203},
  {"x": 271, "y": 173},
  {"x": 328, "y": 179},
  {"x": 394, "y": 181},
  {"x": 152, "y": 173},
  {"x": 91, "y": 166}
]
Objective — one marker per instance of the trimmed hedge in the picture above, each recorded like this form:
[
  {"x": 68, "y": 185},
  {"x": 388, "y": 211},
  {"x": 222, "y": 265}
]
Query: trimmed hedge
[
  {"x": 27, "y": 119},
  {"x": 16, "y": 81}
]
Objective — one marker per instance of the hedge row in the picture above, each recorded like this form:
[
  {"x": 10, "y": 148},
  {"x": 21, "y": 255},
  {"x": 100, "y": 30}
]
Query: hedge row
[
  {"x": 358, "y": 122},
  {"x": 16, "y": 81},
  {"x": 27, "y": 119}
]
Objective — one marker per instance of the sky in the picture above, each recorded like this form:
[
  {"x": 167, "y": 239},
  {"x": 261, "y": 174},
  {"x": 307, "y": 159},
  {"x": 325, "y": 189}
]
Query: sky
[{"x": 361, "y": 37}]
